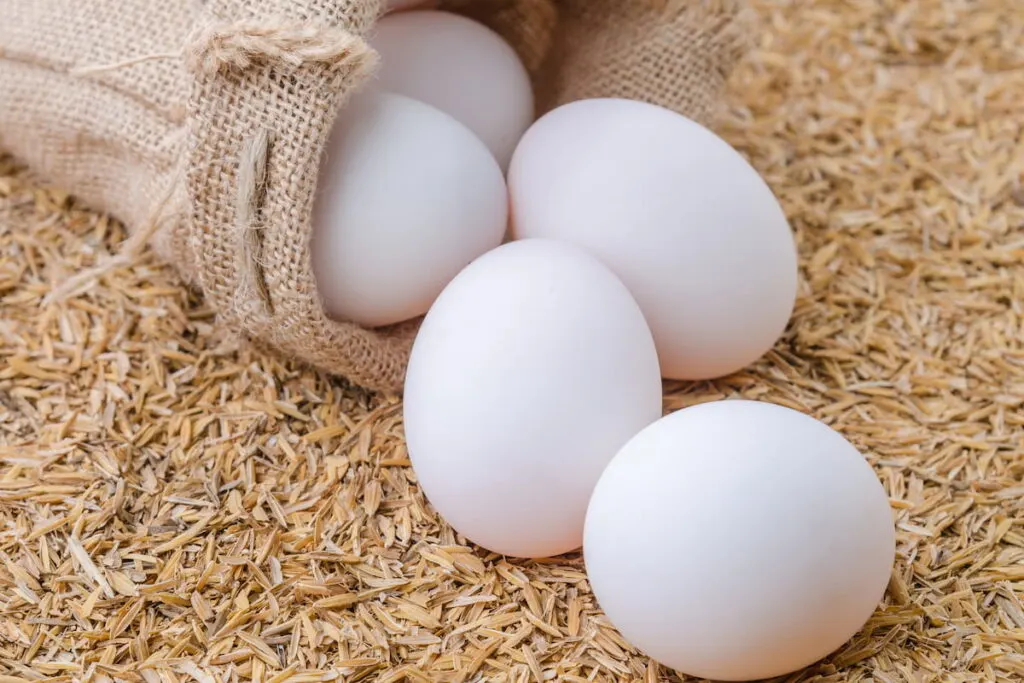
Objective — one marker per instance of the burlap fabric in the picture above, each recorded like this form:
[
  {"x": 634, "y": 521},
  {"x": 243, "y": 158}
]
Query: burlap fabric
[{"x": 200, "y": 124}]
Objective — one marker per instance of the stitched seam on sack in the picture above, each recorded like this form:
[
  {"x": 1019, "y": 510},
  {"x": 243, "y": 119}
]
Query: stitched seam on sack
[
  {"x": 245, "y": 45},
  {"x": 241, "y": 45},
  {"x": 252, "y": 185}
]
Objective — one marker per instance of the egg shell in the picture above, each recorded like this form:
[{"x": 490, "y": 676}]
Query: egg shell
[
  {"x": 530, "y": 371},
  {"x": 677, "y": 213},
  {"x": 739, "y": 540},
  {"x": 407, "y": 197},
  {"x": 461, "y": 67}
]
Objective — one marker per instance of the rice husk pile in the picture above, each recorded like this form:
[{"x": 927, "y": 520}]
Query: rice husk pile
[{"x": 174, "y": 507}]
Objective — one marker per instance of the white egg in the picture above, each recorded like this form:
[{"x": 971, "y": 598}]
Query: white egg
[
  {"x": 407, "y": 197},
  {"x": 680, "y": 216},
  {"x": 462, "y": 68},
  {"x": 739, "y": 540},
  {"x": 529, "y": 373}
]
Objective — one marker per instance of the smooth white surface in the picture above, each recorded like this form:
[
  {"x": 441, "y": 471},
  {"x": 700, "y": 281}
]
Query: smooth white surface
[
  {"x": 680, "y": 216},
  {"x": 530, "y": 371},
  {"x": 462, "y": 68},
  {"x": 408, "y": 196},
  {"x": 739, "y": 540}
]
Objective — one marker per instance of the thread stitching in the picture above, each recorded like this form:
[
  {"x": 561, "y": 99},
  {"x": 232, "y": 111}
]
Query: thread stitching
[
  {"x": 242, "y": 44},
  {"x": 252, "y": 184}
]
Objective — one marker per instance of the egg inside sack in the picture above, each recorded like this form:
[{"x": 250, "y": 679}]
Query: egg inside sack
[
  {"x": 461, "y": 67},
  {"x": 530, "y": 371},
  {"x": 739, "y": 540},
  {"x": 686, "y": 223},
  {"x": 407, "y": 197}
]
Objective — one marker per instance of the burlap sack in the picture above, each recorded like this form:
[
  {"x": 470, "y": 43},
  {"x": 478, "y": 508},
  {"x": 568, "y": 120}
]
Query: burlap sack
[{"x": 200, "y": 124}]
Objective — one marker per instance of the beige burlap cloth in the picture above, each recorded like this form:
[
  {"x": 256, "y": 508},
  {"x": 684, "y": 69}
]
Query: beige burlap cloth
[{"x": 200, "y": 125}]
